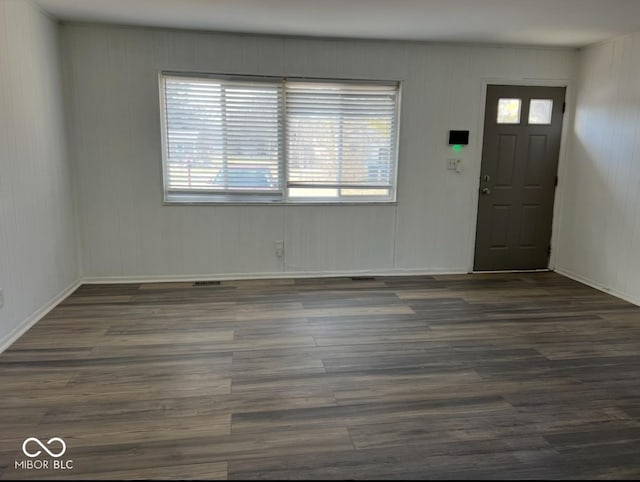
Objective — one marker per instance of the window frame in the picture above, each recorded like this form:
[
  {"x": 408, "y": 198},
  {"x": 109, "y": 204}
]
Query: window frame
[{"x": 282, "y": 198}]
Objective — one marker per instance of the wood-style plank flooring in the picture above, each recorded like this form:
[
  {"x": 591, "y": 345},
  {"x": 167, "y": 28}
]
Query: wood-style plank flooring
[{"x": 469, "y": 376}]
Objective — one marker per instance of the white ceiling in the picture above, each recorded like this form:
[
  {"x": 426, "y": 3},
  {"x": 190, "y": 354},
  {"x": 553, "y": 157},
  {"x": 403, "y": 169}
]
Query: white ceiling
[{"x": 568, "y": 23}]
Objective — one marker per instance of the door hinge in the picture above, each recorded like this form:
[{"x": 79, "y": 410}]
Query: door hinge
[
  {"x": 549, "y": 250},
  {"x": 564, "y": 107},
  {"x": 556, "y": 182}
]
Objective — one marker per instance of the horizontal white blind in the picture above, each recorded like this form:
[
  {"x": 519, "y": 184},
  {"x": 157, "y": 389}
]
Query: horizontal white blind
[
  {"x": 222, "y": 136},
  {"x": 340, "y": 139},
  {"x": 251, "y": 139}
]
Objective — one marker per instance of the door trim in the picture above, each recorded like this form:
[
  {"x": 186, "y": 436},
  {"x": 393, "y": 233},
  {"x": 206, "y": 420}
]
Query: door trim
[{"x": 562, "y": 158}]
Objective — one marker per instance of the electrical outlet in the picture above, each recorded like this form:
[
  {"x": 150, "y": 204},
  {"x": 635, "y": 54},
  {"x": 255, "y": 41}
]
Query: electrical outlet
[
  {"x": 279, "y": 248},
  {"x": 1, "y": 298}
]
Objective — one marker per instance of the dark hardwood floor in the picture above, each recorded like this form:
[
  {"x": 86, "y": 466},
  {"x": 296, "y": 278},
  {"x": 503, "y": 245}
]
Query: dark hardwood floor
[{"x": 430, "y": 377}]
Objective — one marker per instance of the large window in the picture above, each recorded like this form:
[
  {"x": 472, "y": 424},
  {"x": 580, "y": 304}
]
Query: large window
[{"x": 264, "y": 139}]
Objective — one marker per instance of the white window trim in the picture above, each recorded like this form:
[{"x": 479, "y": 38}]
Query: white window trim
[{"x": 268, "y": 199}]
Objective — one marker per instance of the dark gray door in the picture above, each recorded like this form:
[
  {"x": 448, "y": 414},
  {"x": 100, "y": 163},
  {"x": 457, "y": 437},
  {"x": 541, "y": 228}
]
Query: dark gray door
[{"x": 520, "y": 150}]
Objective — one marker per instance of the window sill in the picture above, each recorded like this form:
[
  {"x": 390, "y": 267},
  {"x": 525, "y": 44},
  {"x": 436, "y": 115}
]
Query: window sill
[
  {"x": 279, "y": 203},
  {"x": 192, "y": 199}
]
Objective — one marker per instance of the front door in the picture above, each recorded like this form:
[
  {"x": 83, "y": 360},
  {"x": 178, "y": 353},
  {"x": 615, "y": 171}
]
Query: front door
[{"x": 521, "y": 144}]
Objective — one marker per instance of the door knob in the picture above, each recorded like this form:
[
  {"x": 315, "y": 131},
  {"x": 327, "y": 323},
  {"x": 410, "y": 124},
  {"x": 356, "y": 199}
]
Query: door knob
[{"x": 486, "y": 191}]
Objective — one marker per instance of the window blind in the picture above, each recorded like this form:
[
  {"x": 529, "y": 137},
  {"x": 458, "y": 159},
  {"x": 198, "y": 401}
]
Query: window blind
[
  {"x": 222, "y": 136},
  {"x": 269, "y": 139},
  {"x": 340, "y": 139}
]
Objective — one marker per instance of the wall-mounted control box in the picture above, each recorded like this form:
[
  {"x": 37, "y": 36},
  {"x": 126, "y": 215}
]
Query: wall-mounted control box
[{"x": 460, "y": 138}]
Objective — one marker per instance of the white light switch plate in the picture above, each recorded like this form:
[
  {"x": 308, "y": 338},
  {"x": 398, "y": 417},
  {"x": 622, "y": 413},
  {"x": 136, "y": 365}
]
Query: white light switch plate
[{"x": 454, "y": 165}]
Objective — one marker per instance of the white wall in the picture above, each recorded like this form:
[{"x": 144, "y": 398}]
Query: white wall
[
  {"x": 600, "y": 235},
  {"x": 126, "y": 232},
  {"x": 38, "y": 259}
]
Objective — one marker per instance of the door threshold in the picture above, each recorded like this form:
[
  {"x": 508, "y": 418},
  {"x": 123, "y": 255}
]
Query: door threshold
[{"x": 545, "y": 270}]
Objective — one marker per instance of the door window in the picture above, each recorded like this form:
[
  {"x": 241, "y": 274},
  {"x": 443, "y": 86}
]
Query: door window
[
  {"x": 509, "y": 111},
  {"x": 540, "y": 111}
]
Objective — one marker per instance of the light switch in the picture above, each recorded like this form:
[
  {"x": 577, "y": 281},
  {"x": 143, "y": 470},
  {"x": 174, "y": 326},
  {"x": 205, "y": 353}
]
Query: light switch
[{"x": 454, "y": 165}]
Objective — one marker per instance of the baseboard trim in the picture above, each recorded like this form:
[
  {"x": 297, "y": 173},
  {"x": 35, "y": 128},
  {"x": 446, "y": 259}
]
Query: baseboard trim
[
  {"x": 501, "y": 271},
  {"x": 21, "y": 329},
  {"x": 274, "y": 275},
  {"x": 598, "y": 286}
]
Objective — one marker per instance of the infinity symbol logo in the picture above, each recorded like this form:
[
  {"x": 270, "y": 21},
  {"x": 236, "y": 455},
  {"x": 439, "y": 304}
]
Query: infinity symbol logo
[{"x": 43, "y": 447}]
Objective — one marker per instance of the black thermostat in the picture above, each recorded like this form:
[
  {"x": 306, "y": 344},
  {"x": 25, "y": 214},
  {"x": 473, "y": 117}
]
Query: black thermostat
[{"x": 459, "y": 137}]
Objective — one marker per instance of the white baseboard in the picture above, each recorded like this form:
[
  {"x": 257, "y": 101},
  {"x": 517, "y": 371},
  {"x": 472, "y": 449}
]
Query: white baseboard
[
  {"x": 273, "y": 275},
  {"x": 502, "y": 271},
  {"x": 20, "y": 330},
  {"x": 598, "y": 286}
]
